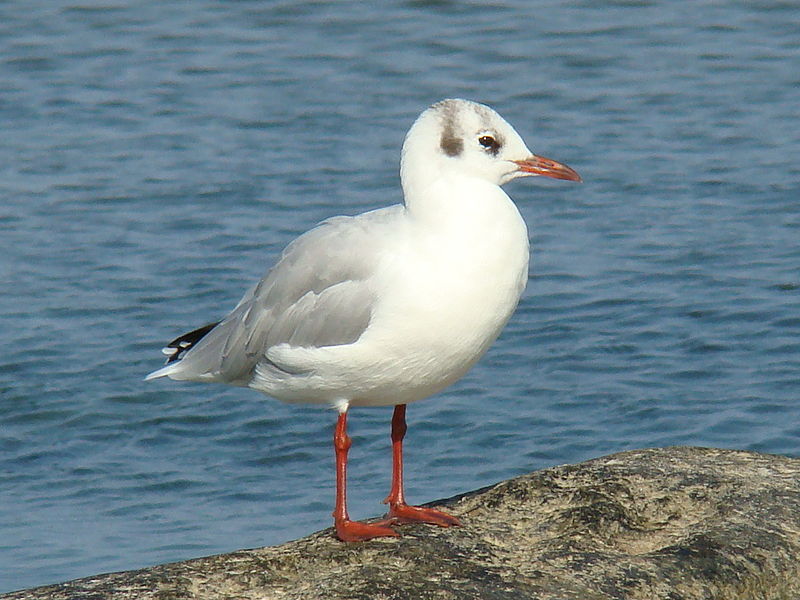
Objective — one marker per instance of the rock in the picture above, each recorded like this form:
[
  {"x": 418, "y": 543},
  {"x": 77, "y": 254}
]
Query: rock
[{"x": 668, "y": 523}]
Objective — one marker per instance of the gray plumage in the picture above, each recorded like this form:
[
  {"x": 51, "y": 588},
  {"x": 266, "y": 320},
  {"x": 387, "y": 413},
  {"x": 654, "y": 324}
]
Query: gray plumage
[{"x": 316, "y": 295}]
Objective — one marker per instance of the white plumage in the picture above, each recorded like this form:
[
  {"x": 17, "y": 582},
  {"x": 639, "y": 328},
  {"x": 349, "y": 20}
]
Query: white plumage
[{"x": 393, "y": 305}]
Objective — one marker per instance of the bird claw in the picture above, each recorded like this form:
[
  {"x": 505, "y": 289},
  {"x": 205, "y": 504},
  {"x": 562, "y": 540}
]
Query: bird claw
[
  {"x": 404, "y": 513},
  {"x": 356, "y": 531}
]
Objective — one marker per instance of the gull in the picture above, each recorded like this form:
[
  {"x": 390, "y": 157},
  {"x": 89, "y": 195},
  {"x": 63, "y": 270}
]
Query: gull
[{"x": 390, "y": 306}]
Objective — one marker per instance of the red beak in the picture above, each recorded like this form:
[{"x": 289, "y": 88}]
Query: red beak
[{"x": 539, "y": 165}]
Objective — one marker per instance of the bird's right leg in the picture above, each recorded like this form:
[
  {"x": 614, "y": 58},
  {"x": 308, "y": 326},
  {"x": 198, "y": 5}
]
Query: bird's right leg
[
  {"x": 347, "y": 530},
  {"x": 399, "y": 510}
]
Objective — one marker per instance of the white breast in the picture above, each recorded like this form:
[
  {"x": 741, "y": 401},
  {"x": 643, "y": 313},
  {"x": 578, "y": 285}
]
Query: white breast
[{"x": 446, "y": 289}]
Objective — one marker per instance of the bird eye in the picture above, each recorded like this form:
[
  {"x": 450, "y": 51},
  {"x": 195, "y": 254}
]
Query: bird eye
[{"x": 490, "y": 143}]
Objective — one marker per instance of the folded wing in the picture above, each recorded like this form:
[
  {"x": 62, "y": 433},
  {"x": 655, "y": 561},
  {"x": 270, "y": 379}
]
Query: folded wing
[{"x": 317, "y": 294}]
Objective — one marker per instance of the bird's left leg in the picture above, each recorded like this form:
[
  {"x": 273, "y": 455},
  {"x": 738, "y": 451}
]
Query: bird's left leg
[
  {"x": 347, "y": 530},
  {"x": 398, "y": 509}
]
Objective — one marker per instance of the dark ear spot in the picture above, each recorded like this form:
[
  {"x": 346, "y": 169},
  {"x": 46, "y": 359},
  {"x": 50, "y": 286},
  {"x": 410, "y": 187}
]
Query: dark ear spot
[{"x": 450, "y": 144}]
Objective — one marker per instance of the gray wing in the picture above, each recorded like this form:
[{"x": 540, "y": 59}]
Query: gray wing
[{"x": 317, "y": 294}]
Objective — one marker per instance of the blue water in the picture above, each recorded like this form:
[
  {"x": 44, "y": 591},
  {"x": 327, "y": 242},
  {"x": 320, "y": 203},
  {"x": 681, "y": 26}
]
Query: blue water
[{"x": 155, "y": 157}]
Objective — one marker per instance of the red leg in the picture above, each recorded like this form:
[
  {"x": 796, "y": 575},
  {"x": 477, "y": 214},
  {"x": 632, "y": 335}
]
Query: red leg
[
  {"x": 347, "y": 530},
  {"x": 398, "y": 509}
]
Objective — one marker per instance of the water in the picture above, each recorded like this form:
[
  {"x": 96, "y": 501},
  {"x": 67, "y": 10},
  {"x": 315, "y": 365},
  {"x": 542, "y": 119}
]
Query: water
[{"x": 156, "y": 156}]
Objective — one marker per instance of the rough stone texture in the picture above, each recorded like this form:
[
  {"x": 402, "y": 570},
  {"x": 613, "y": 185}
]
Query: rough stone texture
[{"x": 671, "y": 523}]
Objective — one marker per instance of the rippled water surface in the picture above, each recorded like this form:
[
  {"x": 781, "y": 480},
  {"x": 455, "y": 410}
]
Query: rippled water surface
[{"x": 156, "y": 156}]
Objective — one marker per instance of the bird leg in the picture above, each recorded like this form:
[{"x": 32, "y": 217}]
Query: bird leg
[
  {"x": 398, "y": 509},
  {"x": 347, "y": 530}
]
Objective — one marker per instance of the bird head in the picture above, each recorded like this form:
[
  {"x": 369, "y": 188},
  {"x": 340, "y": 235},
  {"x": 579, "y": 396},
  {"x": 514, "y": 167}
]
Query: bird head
[{"x": 464, "y": 137}]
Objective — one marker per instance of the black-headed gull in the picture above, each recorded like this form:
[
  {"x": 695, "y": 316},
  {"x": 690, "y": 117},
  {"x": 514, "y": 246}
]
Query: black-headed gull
[{"x": 389, "y": 306}]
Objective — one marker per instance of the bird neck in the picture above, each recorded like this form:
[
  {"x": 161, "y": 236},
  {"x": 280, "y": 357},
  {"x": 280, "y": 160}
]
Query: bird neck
[{"x": 452, "y": 199}]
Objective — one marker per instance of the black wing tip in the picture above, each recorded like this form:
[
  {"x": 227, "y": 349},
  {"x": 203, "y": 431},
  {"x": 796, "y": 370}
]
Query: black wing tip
[{"x": 181, "y": 345}]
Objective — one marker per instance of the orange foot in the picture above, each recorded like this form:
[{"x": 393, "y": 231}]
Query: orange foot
[
  {"x": 403, "y": 513},
  {"x": 356, "y": 531}
]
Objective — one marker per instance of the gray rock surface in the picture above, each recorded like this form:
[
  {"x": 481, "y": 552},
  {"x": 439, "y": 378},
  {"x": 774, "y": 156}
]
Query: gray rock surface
[{"x": 668, "y": 523}]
